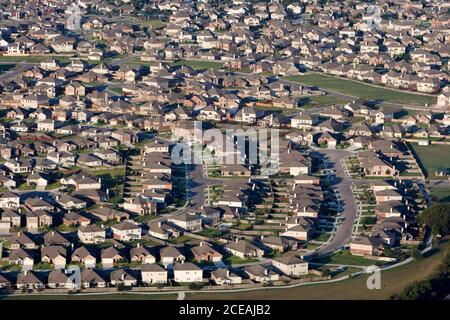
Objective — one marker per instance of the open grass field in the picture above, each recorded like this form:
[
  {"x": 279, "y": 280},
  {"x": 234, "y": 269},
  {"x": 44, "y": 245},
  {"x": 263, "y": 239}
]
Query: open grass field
[
  {"x": 200, "y": 64},
  {"x": 33, "y": 59},
  {"x": 321, "y": 101},
  {"x": 440, "y": 194},
  {"x": 153, "y": 23},
  {"x": 432, "y": 157},
  {"x": 392, "y": 281},
  {"x": 361, "y": 90}
]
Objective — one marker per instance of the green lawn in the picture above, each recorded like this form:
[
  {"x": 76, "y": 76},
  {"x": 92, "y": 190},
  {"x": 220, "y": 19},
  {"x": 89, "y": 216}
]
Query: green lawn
[
  {"x": 344, "y": 257},
  {"x": 321, "y": 101},
  {"x": 210, "y": 233},
  {"x": 117, "y": 90},
  {"x": 139, "y": 62},
  {"x": 432, "y": 157},
  {"x": 200, "y": 64},
  {"x": 234, "y": 260},
  {"x": 64, "y": 228},
  {"x": 324, "y": 236},
  {"x": 34, "y": 59},
  {"x": 361, "y": 90},
  {"x": 152, "y": 23},
  {"x": 182, "y": 239},
  {"x": 25, "y": 187},
  {"x": 53, "y": 185},
  {"x": 145, "y": 218},
  {"x": 392, "y": 281}
]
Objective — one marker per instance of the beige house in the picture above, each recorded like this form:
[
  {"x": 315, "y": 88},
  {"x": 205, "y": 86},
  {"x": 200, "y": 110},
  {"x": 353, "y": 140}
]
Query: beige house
[
  {"x": 171, "y": 255},
  {"x": 260, "y": 273},
  {"x": 55, "y": 255},
  {"x": 140, "y": 206},
  {"x": 85, "y": 256},
  {"x": 142, "y": 254},
  {"x": 204, "y": 252},
  {"x": 189, "y": 222},
  {"x": 244, "y": 249},
  {"x": 153, "y": 273},
  {"x": 121, "y": 276},
  {"x": 291, "y": 265},
  {"x": 187, "y": 272},
  {"x": 387, "y": 195},
  {"x": 9, "y": 199},
  {"x": 91, "y": 234},
  {"x": 363, "y": 245},
  {"x": 224, "y": 276},
  {"x": 126, "y": 231}
]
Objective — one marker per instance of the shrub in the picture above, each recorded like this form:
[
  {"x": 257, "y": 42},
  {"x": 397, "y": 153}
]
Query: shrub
[{"x": 195, "y": 285}]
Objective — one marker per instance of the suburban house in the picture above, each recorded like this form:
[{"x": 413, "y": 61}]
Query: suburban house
[
  {"x": 244, "y": 249},
  {"x": 187, "y": 272}
]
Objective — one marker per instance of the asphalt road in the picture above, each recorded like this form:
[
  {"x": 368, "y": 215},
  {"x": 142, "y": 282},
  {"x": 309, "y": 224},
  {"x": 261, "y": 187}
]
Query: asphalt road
[{"x": 343, "y": 231}]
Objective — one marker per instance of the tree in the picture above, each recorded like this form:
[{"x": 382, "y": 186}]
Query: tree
[{"x": 437, "y": 218}]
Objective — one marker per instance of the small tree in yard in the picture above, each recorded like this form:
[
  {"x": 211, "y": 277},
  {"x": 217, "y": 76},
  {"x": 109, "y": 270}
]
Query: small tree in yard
[{"x": 195, "y": 286}]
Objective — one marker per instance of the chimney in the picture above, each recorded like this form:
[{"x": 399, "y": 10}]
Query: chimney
[{"x": 138, "y": 245}]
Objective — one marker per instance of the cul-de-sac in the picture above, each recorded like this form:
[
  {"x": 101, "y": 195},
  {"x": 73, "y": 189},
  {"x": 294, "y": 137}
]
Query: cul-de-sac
[{"x": 236, "y": 149}]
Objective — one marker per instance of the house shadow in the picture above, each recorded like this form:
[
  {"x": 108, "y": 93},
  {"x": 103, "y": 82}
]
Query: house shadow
[{"x": 6, "y": 67}]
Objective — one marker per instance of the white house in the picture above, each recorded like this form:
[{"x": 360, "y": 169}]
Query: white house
[
  {"x": 153, "y": 273},
  {"x": 187, "y": 272},
  {"x": 291, "y": 265}
]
